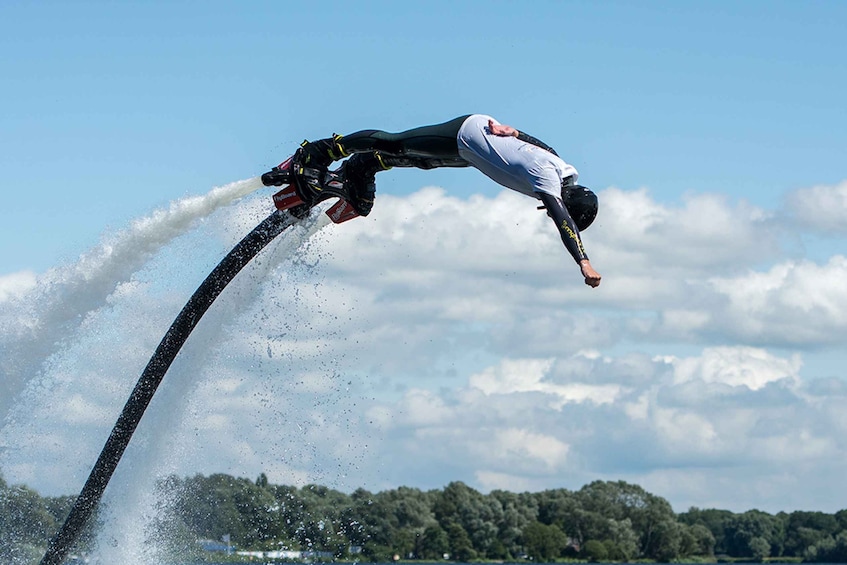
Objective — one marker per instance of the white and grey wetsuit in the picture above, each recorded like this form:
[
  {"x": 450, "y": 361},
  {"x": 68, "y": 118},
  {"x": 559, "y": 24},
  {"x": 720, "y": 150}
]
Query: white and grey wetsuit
[{"x": 510, "y": 161}]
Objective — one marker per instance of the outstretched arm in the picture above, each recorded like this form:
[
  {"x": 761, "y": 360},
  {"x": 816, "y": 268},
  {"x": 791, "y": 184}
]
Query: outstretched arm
[
  {"x": 570, "y": 236},
  {"x": 509, "y": 131}
]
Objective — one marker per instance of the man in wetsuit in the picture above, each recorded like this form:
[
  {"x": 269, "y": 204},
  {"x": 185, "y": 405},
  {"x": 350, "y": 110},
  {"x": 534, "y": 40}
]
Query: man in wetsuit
[{"x": 509, "y": 157}]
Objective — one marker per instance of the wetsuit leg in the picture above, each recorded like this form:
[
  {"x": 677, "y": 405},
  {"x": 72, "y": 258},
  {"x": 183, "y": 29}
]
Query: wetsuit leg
[
  {"x": 421, "y": 162},
  {"x": 435, "y": 144},
  {"x": 372, "y": 151}
]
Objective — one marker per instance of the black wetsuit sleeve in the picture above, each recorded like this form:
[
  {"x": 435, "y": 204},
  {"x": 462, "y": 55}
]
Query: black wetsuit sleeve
[
  {"x": 537, "y": 142},
  {"x": 565, "y": 224}
]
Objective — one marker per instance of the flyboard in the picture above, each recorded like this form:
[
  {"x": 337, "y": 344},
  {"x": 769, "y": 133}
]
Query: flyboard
[{"x": 293, "y": 204}]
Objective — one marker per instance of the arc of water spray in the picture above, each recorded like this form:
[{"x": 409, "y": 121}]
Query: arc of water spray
[
  {"x": 63, "y": 296},
  {"x": 152, "y": 376}
]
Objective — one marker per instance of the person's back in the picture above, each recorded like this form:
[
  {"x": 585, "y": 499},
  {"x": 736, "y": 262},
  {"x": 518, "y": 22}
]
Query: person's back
[{"x": 510, "y": 161}]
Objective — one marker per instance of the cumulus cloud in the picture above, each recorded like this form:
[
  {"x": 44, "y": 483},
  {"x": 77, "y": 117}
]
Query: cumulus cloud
[
  {"x": 544, "y": 448},
  {"x": 723, "y": 408},
  {"x": 445, "y": 339},
  {"x": 530, "y": 375},
  {"x": 794, "y": 302},
  {"x": 706, "y": 233},
  {"x": 821, "y": 208},
  {"x": 736, "y": 366},
  {"x": 687, "y": 270},
  {"x": 662, "y": 261}
]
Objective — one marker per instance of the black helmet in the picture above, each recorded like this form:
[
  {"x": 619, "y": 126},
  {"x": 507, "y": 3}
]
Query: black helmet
[{"x": 581, "y": 204}]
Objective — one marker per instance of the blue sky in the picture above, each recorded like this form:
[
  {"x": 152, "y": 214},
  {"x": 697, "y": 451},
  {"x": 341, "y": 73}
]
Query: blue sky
[
  {"x": 708, "y": 367},
  {"x": 112, "y": 108}
]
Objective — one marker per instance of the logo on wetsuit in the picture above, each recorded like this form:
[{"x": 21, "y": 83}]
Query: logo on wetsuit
[{"x": 571, "y": 234}]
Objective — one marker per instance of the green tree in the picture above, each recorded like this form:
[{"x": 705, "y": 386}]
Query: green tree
[
  {"x": 595, "y": 551},
  {"x": 24, "y": 515},
  {"x": 759, "y": 548},
  {"x": 379, "y": 526},
  {"x": 555, "y": 506},
  {"x": 613, "y": 552},
  {"x": 703, "y": 541},
  {"x": 478, "y": 515},
  {"x": 219, "y": 505},
  {"x": 518, "y": 510},
  {"x": 806, "y": 529},
  {"x": 741, "y": 529},
  {"x": 582, "y": 525},
  {"x": 461, "y": 548},
  {"x": 321, "y": 525},
  {"x": 434, "y": 543},
  {"x": 713, "y": 519},
  {"x": 829, "y": 550},
  {"x": 665, "y": 541},
  {"x": 620, "y": 500},
  {"x": 544, "y": 542},
  {"x": 405, "y": 543},
  {"x": 607, "y": 520},
  {"x": 841, "y": 518},
  {"x": 623, "y": 541}
]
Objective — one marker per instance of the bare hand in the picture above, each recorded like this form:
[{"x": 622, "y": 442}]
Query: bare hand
[
  {"x": 501, "y": 130},
  {"x": 592, "y": 277}
]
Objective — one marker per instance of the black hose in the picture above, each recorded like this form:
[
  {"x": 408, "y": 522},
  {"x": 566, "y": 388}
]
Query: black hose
[{"x": 152, "y": 376}]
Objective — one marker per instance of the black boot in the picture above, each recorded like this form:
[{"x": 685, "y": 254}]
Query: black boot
[
  {"x": 321, "y": 153},
  {"x": 360, "y": 181},
  {"x": 312, "y": 160}
]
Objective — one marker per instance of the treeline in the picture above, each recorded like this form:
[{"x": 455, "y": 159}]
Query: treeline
[
  {"x": 603, "y": 521},
  {"x": 28, "y": 521}
]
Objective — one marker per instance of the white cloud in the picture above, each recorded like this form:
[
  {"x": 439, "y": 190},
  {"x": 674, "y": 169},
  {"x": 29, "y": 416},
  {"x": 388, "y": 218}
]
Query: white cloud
[
  {"x": 638, "y": 409},
  {"x": 721, "y": 409},
  {"x": 708, "y": 232},
  {"x": 822, "y": 208},
  {"x": 685, "y": 321},
  {"x": 794, "y": 302},
  {"x": 423, "y": 408},
  {"x": 684, "y": 430},
  {"x": 444, "y": 339},
  {"x": 736, "y": 366},
  {"x": 542, "y": 448},
  {"x": 530, "y": 375},
  {"x": 512, "y": 376},
  {"x": 497, "y": 264}
]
